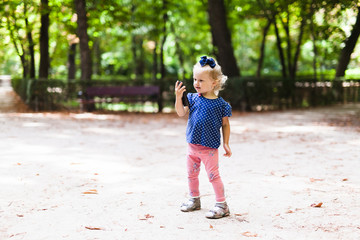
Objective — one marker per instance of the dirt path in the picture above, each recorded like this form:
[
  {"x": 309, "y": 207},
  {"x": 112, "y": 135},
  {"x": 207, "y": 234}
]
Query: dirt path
[
  {"x": 9, "y": 101},
  {"x": 87, "y": 176}
]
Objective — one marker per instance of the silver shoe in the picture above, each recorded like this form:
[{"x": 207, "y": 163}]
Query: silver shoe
[
  {"x": 192, "y": 205},
  {"x": 220, "y": 210}
]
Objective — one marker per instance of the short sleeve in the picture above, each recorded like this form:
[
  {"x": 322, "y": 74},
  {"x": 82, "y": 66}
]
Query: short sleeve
[
  {"x": 226, "y": 111},
  {"x": 190, "y": 97}
]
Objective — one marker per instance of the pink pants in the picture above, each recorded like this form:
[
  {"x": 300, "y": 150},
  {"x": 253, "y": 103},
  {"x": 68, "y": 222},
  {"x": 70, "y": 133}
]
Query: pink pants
[{"x": 210, "y": 158}]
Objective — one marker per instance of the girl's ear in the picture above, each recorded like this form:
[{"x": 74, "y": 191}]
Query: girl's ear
[{"x": 214, "y": 83}]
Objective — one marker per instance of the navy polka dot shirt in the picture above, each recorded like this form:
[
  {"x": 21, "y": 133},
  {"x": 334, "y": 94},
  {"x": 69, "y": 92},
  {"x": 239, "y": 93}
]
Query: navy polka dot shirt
[{"x": 205, "y": 120}]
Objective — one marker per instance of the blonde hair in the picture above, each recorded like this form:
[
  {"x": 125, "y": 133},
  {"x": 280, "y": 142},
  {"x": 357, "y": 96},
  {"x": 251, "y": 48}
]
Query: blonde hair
[{"x": 215, "y": 73}]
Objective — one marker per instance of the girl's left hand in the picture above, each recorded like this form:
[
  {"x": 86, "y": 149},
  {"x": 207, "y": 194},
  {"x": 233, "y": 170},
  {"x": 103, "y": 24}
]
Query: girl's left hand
[{"x": 227, "y": 149}]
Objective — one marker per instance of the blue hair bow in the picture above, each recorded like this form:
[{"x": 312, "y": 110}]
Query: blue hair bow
[{"x": 210, "y": 61}]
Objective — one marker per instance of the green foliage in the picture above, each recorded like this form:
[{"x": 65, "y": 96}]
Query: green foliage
[{"x": 125, "y": 35}]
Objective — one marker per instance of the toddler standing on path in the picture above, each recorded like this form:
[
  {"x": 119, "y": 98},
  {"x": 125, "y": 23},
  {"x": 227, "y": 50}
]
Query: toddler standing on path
[{"x": 208, "y": 113}]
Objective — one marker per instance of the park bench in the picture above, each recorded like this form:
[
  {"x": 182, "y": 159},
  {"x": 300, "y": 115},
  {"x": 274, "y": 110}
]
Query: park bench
[{"x": 116, "y": 94}]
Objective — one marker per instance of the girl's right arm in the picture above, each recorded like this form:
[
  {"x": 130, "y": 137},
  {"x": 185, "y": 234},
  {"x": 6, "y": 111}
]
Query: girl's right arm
[{"x": 179, "y": 107}]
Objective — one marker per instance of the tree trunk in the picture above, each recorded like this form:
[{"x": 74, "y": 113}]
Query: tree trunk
[
  {"x": 262, "y": 49},
  {"x": 222, "y": 38},
  {"x": 44, "y": 40},
  {"x": 32, "y": 55},
  {"x": 350, "y": 44},
  {"x": 155, "y": 63},
  {"x": 141, "y": 62},
  {"x": 85, "y": 53},
  {"x": 288, "y": 43},
  {"x": 14, "y": 41},
  {"x": 313, "y": 35},
  {"x": 134, "y": 55},
  {"x": 71, "y": 61},
  {"x": 31, "y": 44},
  {"x": 97, "y": 57},
  {"x": 138, "y": 58},
  {"x": 162, "y": 64},
  {"x": 281, "y": 52},
  {"x": 298, "y": 49}
]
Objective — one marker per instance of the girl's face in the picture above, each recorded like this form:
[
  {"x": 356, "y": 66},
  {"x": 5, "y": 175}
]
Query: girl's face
[{"x": 204, "y": 84}]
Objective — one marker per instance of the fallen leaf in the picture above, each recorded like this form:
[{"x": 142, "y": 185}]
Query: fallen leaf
[
  {"x": 249, "y": 234},
  {"x": 315, "y": 179},
  {"x": 240, "y": 214},
  {"x": 318, "y": 205},
  {"x": 94, "y": 228},
  {"x": 18, "y": 163},
  {"x": 19, "y": 215},
  {"x": 345, "y": 179},
  {"x": 290, "y": 211},
  {"x": 91, "y": 191},
  {"x": 162, "y": 226},
  {"x": 211, "y": 226},
  {"x": 241, "y": 219},
  {"x": 146, "y": 217}
]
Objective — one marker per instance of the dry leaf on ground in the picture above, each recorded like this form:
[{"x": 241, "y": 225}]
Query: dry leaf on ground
[
  {"x": 94, "y": 228},
  {"x": 249, "y": 234},
  {"x": 315, "y": 179},
  {"x": 146, "y": 217},
  {"x": 318, "y": 205},
  {"x": 91, "y": 191}
]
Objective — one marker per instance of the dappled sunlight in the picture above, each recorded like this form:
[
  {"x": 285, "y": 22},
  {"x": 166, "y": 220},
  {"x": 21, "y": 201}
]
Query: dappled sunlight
[
  {"x": 354, "y": 142},
  {"x": 298, "y": 129},
  {"x": 11, "y": 181},
  {"x": 35, "y": 124},
  {"x": 102, "y": 130},
  {"x": 92, "y": 116},
  {"x": 171, "y": 132},
  {"x": 238, "y": 129},
  {"x": 95, "y": 168}
]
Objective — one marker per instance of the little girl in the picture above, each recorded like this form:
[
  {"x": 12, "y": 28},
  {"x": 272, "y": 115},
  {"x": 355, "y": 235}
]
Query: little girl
[{"x": 208, "y": 113}]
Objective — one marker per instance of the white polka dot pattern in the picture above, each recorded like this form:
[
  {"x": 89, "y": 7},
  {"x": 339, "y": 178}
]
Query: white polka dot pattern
[{"x": 205, "y": 120}]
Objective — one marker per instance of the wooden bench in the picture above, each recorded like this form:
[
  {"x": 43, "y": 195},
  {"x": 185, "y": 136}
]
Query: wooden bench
[{"x": 116, "y": 94}]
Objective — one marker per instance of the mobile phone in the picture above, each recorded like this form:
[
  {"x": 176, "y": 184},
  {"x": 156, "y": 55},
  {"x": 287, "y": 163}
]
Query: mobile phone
[{"x": 185, "y": 100}]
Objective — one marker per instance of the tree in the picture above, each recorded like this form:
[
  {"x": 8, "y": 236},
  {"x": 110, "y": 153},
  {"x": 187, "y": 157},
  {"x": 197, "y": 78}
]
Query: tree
[
  {"x": 44, "y": 40},
  {"x": 31, "y": 43},
  {"x": 14, "y": 28},
  {"x": 350, "y": 43},
  {"x": 222, "y": 38},
  {"x": 262, "y": 48},
  {"x": 71, "y": 58},
  {"x": 85, "y": 53}
]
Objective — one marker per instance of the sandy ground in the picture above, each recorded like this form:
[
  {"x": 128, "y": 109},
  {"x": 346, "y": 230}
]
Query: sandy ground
[{"x": 123, "y": 176}]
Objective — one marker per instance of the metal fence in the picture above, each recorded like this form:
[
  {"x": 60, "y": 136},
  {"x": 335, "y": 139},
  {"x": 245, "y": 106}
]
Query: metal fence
[
  {"x": 245, "y": 94},
  {"x": 275, "y": 94}
]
